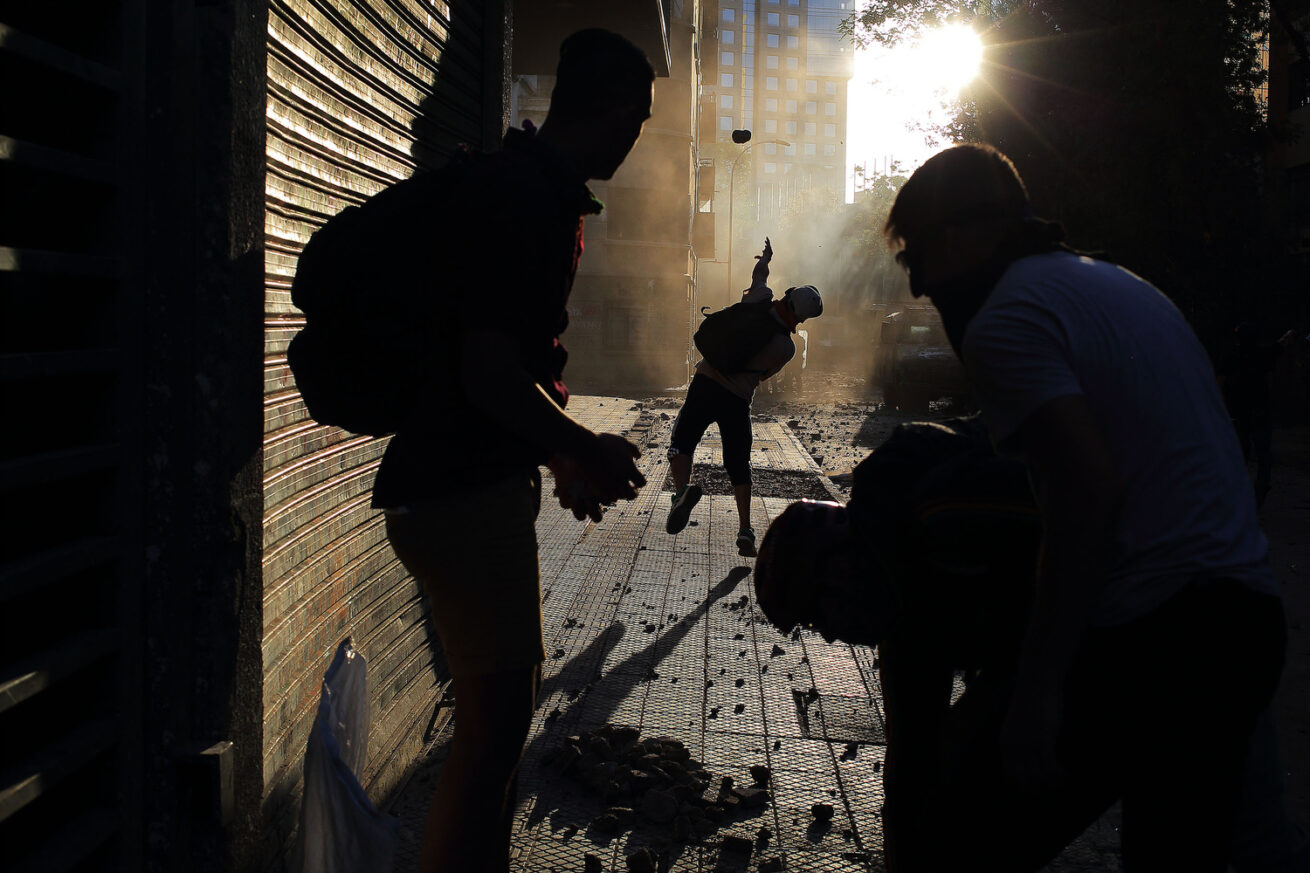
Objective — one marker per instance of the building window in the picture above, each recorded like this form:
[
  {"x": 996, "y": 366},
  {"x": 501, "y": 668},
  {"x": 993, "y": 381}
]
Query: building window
[
  {"x": 726, "y": 58},
  {"x": 793, "y": 64},
  {"x": 725, "y": 79},
  {"x": 771, "y": 83},
  {"x": 772, "y": 19},
  {"x": 830, "y": 130},
  {"x": 793, "y": 21},
  {"x": 770, "y": 125},
  {"x": 811, "y": 128},
  {"x": 725, "y": 101},
  {"x": 830, "y": 88},
  {"x": 771, "y": 40},
  {"x": 770, "y": 148},
  {"x": 725, "y": 122},
  {"x": 810, "y": 149},
  {"x": 791, "y": 107},
  {"x": 793, "y": 42},
  {"x": 811, "y": 86},
  {"x": 786, "y": 168},
  {"x": 791, "y": 128},
  {"x": 791, "y": 85},
  {"x": 771, "y": 62},
  {"x": 829, "y": 150},
  {"x": 770, "y": 167},
  {"x": 727, "y": 37},
  {"x": 811, "y": 107},
  {"x": 830, "y": 109},
  {"x": 771, "y": 104},
  {"x": 729, "y": 15},
  {"x": 790, "y": 150}
]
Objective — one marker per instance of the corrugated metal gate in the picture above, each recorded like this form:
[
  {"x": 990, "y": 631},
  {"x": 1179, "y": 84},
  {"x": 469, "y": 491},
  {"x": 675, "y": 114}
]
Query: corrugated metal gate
[{"x": 359, "y": 94}]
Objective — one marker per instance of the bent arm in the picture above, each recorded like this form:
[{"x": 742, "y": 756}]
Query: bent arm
[
  {"x": 1079, "y": 491},
  {"x": 497, "y": 384}
]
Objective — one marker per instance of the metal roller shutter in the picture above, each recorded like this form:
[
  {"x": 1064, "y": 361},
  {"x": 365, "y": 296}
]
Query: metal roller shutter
[{"x": 359, "y": 94}]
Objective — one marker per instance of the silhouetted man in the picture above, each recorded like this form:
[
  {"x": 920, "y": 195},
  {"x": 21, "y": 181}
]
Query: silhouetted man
[
  {"x": 460, "y": 483},
  {"x": 1153, "y": 587}
]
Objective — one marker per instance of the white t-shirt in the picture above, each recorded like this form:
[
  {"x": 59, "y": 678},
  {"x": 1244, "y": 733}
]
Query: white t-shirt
[{"x": 1059, "y": 324}]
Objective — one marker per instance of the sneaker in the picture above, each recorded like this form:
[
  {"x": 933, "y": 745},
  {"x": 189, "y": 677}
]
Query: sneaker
[
  {"x": 683, "y": 502},
  {"x": 746, "y": 542}
]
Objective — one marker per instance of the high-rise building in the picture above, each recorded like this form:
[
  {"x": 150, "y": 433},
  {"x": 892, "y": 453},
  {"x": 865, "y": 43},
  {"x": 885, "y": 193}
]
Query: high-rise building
[{"x": 783, "y": 73}]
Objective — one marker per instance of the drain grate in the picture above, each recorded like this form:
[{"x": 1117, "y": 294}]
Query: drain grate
[{"x": 837, "y": 719}]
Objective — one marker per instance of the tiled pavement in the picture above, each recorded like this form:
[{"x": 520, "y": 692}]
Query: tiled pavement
[{"x": 662, "y": 633}]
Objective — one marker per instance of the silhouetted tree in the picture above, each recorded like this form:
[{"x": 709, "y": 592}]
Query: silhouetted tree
[{"x": 1135, "y": 122}]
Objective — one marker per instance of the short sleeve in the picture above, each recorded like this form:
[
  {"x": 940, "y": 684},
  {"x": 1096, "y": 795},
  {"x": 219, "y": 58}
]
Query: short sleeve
[{"x": 1017, "y": 358}]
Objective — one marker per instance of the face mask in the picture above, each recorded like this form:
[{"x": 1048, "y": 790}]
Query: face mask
[{"x": 959, "y": 300}]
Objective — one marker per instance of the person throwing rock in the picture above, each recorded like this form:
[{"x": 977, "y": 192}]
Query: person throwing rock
[{"x": 741, "y": 346}]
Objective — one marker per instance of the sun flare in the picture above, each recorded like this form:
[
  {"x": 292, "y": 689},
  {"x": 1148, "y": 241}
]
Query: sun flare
[{"x": 941, "y": 61}]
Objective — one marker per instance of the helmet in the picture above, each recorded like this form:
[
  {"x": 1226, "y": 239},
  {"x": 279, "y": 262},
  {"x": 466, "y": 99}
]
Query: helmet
[{"x": 805, "y": 301}]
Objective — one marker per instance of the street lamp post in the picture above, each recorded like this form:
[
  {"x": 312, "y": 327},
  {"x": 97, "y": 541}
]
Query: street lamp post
[{"x": 740, "y": 136}]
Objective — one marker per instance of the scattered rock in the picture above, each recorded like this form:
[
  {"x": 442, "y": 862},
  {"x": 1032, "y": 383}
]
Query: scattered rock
[
  {"x": 739, "y": 708},
  {"x": 592, "y": 863},
  {"x": 740, "y": 682},
  {"x": 777, "y": 744},
  {"x": 761, "y": 774},
  {"x": 762, "y": 835},
  {"x": 777, "y": 650},
  {"x": 736, "y": 844},
  {"x": 622, "y": 814},
  {"x": 659, "y": 805},
  {"x": 642, "y": 861},
  {"x": 822, "y": 811},
  {"x": 606, "y": 823},
  {"x": 771, "y": 865},
  {"x": 682, "y": 830},
  {"x": 752, "y": 798},
  {"x": 877, "y": 766}
]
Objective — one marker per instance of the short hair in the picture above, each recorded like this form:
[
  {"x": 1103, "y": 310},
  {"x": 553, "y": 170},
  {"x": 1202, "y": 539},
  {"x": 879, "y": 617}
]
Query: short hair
[
  {"x": 598, "y": 71},
  {"x": 959, "y": 185}
]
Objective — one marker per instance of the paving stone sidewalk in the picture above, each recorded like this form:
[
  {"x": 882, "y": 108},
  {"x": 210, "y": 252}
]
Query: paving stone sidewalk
[{"x": 661, "y": 633}]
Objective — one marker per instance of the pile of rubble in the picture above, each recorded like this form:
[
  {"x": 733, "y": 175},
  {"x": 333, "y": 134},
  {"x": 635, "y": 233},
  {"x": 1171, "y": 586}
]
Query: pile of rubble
[{"x": 655, "y": 780}]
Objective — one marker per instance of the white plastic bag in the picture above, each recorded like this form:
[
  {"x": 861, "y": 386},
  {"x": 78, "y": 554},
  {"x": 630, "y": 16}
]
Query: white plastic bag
[{"x": 340, "y": 830}]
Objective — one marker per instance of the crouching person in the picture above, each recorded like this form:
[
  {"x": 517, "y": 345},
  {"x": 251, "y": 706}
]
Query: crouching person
[{"x": 932, "y": 561}]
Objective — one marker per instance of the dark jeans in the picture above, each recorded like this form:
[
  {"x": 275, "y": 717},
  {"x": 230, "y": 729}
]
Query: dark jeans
[
  {"x": 1157, "y": 713},
  {"x": 708, "y": 401}
]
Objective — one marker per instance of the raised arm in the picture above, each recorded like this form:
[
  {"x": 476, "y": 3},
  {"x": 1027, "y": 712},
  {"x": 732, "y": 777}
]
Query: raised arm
[{"x": 760, "y": 275}]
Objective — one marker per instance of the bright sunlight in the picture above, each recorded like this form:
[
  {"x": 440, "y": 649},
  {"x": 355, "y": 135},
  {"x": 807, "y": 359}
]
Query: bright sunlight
[{"x": 897, "y": 96}]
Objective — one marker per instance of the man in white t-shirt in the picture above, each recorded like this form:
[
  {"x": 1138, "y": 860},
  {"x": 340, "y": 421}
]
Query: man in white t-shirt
[{"x": 1157, "y": 632}]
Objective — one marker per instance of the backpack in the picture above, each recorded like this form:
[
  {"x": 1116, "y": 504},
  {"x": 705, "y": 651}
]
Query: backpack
[
  {"x": 728, "y": 338},
  {"x": 366, "y": 283}
]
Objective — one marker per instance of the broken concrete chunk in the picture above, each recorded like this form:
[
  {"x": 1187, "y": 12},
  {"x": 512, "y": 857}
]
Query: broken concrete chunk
[
  {"x": 752, "y": 798},
  {"x": 624, "y": 815},
  {"x": 659, "y": 805},
  {"x": 822, "y": 811},
  {"x": 761, "y": 774},
  {"x": 606, "y": 823},
  {"x": 736, "y": 844},
  {"x": 642, "y": 861}
]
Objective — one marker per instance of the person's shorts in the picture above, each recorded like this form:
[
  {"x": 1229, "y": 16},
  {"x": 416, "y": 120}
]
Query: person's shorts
[{"x": 475, "y": 555}]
